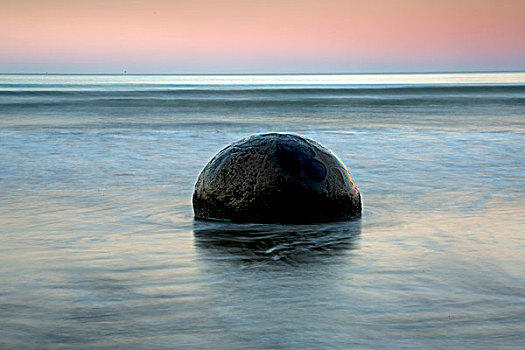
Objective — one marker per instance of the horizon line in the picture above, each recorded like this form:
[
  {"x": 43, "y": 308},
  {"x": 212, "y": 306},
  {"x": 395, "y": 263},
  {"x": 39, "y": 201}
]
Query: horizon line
[{"x": 245, "y": 74}]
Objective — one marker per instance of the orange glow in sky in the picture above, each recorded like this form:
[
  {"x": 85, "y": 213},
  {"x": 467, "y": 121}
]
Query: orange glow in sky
[{"x": 160, "y": 36}]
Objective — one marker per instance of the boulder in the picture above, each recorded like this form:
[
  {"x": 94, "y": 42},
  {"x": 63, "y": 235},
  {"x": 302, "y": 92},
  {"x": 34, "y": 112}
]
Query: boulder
[{"x": 276, "y": 178}]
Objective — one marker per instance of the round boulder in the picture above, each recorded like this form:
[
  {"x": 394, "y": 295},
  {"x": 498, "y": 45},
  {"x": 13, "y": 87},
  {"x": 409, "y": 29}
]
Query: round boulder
[{"x": 272, "y": 178}]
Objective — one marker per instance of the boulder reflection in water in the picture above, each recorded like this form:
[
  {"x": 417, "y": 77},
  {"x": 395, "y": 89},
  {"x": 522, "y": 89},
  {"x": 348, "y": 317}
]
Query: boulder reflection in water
[{"x": 291, "y": 243}]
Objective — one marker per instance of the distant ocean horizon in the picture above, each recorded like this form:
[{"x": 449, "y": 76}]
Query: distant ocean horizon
[
  {"x": 270, "y": 73},
  {"x": 99, "y": 248}
]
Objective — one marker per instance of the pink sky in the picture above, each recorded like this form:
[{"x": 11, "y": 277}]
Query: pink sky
[{"x": 183, "y": 36}]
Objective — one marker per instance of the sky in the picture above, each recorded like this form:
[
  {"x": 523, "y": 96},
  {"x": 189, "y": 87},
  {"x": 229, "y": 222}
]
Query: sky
[{"x": 261, "y": 36}]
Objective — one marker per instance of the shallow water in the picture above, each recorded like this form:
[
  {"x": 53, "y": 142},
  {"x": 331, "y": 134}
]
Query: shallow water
[{"x": 99, "y": 248}]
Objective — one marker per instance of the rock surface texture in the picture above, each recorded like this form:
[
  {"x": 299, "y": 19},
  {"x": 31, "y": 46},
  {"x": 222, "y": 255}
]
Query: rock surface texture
[{"x": 276, "y": 178}]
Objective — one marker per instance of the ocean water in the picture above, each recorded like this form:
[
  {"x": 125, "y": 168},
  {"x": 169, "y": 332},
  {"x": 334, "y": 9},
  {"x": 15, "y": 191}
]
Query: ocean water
[{"x": 99, "y": 249}]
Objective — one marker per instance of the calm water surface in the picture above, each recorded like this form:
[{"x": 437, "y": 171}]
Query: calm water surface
[{"x": 99, "y": 249}]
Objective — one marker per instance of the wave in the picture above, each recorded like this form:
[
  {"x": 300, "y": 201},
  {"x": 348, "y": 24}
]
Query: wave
[
  {"x": 514, "y": 94},
  {"x": 248, "y": 90},
  {"x": 230, "y": 103},
  {"x": 133, "y": 99}
]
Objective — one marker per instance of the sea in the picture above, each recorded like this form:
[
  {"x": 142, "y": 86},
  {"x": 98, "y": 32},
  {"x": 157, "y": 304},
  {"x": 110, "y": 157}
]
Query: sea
[{"x": 99, "y": 248}]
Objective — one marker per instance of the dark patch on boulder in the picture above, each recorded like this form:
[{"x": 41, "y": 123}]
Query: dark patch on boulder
[{"x": 276, "y": 178}]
